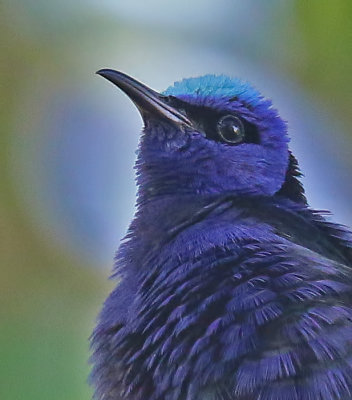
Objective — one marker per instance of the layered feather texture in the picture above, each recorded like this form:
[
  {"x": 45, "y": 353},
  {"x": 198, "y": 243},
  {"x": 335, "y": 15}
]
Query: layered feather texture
[
  {"x": 234, "y": 307},
  {"x": 230, "y": 286}
]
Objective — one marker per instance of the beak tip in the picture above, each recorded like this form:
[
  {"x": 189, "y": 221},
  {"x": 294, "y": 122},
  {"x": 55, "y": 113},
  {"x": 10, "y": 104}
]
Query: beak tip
[
  {"x": 143, "y": 97},
  {"x": 103, "y": 72}
]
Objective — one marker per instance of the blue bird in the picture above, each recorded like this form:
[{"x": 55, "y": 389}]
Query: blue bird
[{"x": 229, "y": 286}]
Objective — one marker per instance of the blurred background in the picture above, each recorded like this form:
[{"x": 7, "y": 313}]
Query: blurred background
[{"x": 68, "y": 141}]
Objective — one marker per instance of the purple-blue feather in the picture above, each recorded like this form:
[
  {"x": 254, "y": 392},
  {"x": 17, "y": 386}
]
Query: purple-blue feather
[
  {"x": 231, "y": 287},
  {"x": 265, "y": 318}
]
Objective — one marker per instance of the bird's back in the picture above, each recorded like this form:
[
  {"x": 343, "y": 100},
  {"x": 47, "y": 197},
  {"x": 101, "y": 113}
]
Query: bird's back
[{"x": 229, "y": 298}]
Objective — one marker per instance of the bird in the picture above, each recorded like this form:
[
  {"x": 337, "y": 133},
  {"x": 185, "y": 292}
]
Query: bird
[{"x": 229, "y": 286}]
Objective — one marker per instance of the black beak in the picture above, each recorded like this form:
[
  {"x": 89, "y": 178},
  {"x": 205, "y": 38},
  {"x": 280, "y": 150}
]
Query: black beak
[{"x": 146, "y": 100}]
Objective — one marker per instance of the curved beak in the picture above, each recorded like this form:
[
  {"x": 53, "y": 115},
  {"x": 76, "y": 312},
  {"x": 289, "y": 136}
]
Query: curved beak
[{"x": 146, "y": 100}]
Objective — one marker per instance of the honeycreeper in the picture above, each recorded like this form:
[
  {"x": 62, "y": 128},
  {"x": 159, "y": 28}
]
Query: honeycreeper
[{"x": 229, "y": 286}]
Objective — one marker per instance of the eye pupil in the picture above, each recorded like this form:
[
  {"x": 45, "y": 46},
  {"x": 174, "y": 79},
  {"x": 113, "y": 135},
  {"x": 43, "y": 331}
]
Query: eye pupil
[{"x": 230, "y": 129}]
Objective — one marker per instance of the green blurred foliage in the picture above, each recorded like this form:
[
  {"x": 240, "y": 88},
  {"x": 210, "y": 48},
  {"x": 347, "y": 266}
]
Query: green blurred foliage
[
  {"x": 48, "y": 298},
  {"x": 323, "y": 33}
]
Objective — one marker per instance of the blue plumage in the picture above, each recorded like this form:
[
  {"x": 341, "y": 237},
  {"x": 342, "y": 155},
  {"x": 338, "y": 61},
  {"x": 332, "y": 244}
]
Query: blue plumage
[
  {"x": 231, "y": 287},
  {"x": 216, "y": 87}
]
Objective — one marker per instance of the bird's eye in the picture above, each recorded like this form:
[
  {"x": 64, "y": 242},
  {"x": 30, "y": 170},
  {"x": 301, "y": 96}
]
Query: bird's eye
[{"x": 231, "y": 129}]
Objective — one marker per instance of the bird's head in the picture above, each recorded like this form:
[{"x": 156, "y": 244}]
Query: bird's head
[{"x": 210, "y": 135}]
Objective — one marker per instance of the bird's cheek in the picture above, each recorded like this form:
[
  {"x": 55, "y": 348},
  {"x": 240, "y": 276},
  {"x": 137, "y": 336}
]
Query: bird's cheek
[{"x": 177, "y": 144}]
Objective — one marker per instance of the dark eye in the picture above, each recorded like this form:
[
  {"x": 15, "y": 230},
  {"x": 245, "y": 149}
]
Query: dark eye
[{"x": 230, "y": 129}]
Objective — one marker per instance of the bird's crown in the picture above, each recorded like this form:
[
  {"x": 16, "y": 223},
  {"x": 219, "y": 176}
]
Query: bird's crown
[{"x": 217, "y": 86}]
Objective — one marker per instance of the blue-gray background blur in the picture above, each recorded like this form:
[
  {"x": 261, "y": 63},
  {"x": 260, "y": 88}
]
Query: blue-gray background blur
[{"x": 68, "y": 140}]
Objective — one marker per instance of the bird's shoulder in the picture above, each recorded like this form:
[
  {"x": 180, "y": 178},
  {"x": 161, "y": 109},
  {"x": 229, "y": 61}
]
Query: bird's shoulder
[
  {"x": 236, "y": 322},
  {"x": 238, "y": 220},
  {"x": 237, "y": 305}
]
